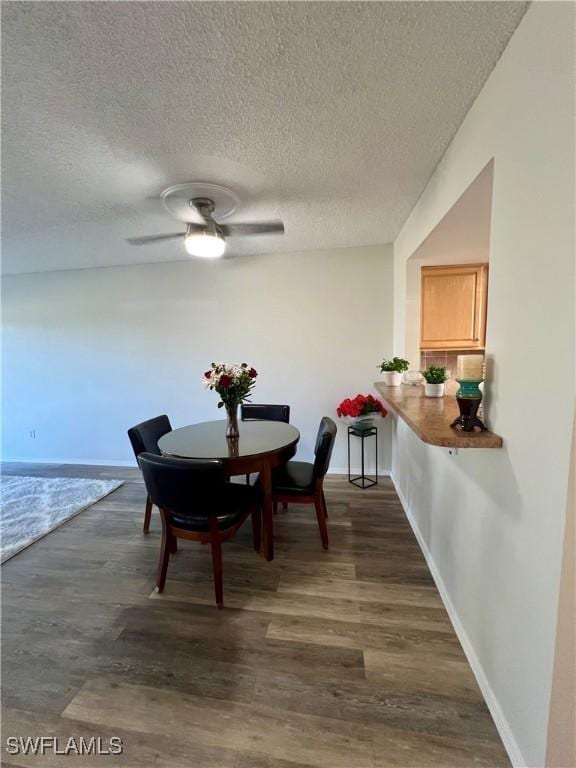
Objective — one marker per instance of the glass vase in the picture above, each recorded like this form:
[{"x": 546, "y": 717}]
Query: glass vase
[{"x": 232, "y": 430}]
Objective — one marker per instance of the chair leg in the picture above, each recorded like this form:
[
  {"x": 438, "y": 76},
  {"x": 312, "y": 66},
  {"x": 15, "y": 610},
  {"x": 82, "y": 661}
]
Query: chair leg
[
  {"x": 164, "y": 555},
  {"x": 147, "y": 515},
  {"x": 256, "y": 527},
  {"x": 285, "y": 505},
  {"x": 275, "y": 507},
  {"x": 217, "y": 570},
  {"x": 173, "y": 545},
  {"x": 324, "y": 505},
  {"x": 247, "y": 478},
  {"x": 321, "y": 517}
]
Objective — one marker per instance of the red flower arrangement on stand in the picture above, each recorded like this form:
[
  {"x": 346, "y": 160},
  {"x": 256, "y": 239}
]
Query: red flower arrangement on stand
[{"x": 361, "y": 406}]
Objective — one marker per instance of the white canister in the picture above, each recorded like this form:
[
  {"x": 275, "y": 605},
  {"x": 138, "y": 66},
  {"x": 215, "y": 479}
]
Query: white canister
[
  {"x": 392, "y": 378},
  {"x": 470, "y": 367},
  {"x": 434, "y": 390}
]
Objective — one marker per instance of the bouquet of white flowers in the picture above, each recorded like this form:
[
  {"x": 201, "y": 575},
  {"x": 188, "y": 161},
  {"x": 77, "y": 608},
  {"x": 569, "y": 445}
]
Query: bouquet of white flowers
[{"x": 232, "y": 382}]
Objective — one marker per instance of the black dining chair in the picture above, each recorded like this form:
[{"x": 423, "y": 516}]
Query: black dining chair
[
  {"x": 299, "y": 482},
  {"x": 197, "y": 503},
  {"x": 144, "y": 439},
  {"x": 264, "y": 412}
]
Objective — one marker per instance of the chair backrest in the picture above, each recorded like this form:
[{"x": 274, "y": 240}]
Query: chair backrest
[
  {"x": 256, "y": 412},
  {"x": 324, "y": 446},
  {"x": 184, "y": 486},
  {"x": 144, "y": 437}
]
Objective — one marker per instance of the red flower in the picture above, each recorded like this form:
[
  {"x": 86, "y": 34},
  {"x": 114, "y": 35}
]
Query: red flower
[
  {"x": 360, "y": 406},
  {"x": 252, "y": 373},
  {"x": 208, "y": 374},
  {"x": 225, "y": 381}
]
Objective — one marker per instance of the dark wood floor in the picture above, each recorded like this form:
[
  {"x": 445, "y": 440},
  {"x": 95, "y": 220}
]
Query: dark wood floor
[{"x": 339, "y": 659}]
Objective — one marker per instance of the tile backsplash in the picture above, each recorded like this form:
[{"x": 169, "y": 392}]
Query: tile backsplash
[{"x": 444, "y": 359}]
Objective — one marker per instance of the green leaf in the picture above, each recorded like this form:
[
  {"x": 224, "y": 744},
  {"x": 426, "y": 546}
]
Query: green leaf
[
  {"x": 398, "y": 364},
  {"x": 435, "y": 374}
]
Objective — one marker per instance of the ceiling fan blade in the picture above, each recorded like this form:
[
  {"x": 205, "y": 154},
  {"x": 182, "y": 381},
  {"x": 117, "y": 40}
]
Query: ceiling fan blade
[
  {"x": 252, "y": 228},
  {"x": 153, "y": 238}
]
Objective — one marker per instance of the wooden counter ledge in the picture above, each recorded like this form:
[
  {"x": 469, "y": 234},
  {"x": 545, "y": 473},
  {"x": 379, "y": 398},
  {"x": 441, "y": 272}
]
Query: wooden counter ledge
[{"x": 430, "y": 417}]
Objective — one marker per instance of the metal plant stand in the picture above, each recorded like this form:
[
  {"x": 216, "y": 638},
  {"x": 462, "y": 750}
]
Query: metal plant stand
[{"x": 362, "y": 481}]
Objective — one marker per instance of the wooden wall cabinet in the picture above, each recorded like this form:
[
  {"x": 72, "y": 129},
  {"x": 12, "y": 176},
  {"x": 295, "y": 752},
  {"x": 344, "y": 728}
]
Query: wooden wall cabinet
[{"x": 453, "y": 307}]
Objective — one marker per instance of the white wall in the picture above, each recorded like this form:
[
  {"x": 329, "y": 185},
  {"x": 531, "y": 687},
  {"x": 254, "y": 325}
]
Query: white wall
[
  {"x": 461, "y": 237},
  {"x": 491, "y": 521},
  {"x": 88, "y": 353}
]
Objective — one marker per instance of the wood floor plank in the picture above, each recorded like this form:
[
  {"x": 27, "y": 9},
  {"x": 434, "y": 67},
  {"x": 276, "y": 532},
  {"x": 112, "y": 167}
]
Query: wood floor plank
[
  {"x": 394, "y": 748},
  {"x": 365, "y": 591},
  {"x": 297, "y": 658},
  {"x": 286, "y": 603},
  {"x": 139, "y": 750},
  {"x": 395, "y": 571},
  {"x": 276, "y": 733},
  {"x": 409, "y": 671},
  {"x": 390, "y": 614},
  {"x": 252, "y": 760},
  {"x": 33, "y": 684},
  {"x": 350, "y": 634},
  {"x": 366, "y": 703}
]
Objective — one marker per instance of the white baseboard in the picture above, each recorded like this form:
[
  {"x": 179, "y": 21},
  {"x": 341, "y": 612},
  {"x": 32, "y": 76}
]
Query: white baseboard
[
  {"x": 356, "y": 471},
  {"x": 132, "y": 463},
  {"x": 85, "y": 462},
  {"x": 502, "y": 725}
]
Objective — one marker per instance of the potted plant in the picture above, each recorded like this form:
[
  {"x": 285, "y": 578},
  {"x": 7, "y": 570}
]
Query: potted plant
[
  {"x": 434, "y": 376},
  {"x": 234, "y": 384},
  {"x": 360, "y": 409},
  {"x": 393, "y": 370}
]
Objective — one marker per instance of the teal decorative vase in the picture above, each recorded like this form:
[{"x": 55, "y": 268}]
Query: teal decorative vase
[
  {"x": 469, "y": 397},
  {"x": 469, "y": 389}
]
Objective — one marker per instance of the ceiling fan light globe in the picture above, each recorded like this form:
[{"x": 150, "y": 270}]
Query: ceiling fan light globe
[{"x": 205, "y": 245}]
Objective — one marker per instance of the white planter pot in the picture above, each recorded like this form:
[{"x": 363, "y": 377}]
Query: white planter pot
[
  {"x": 367, "y": 420},
  {"x": 392, "y": 378},
  {"x": 434, "y": 390}
]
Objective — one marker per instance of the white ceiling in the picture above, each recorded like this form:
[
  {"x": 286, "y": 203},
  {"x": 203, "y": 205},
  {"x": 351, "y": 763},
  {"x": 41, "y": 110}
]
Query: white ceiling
[{"x": 331, "y": 116}]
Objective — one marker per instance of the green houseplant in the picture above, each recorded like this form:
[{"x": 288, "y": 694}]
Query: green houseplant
[
  {"x": 393, "y": 370},
  {"x": 435, "y": 378}
]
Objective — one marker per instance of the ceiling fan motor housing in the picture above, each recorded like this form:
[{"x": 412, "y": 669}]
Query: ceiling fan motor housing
[{"x": 203, "y": 205}]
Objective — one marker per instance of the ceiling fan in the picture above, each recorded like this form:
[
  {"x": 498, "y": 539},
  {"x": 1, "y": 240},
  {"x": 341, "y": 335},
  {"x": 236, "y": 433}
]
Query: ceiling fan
[{"x": 206, "y": 238}]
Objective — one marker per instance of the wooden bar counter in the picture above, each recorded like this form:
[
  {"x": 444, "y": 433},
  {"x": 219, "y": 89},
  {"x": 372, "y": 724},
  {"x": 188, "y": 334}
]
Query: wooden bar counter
[{"x": 430, "y": 417}]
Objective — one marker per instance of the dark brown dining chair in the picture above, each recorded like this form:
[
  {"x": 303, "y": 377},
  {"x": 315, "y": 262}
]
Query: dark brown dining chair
[
  {"x": 264, "y": 412},
  {"x": 299, "y": 482},
  {"x": 144, "y": 439},
  {"x": 197, "y": 503}
]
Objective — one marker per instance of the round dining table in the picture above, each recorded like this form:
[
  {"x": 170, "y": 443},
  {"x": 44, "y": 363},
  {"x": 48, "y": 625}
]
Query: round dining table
[{"x": 261, "y": 446}]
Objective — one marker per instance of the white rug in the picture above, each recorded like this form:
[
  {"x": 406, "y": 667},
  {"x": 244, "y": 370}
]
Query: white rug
[{"x": 34, "y": 506}]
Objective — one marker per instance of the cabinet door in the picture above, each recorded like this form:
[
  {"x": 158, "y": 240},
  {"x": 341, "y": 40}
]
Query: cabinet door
[{"x": 453, "y": 310}]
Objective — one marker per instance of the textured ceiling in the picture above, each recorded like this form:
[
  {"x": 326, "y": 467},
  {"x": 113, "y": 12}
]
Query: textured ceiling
[{"x": 331, "y": 116}]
